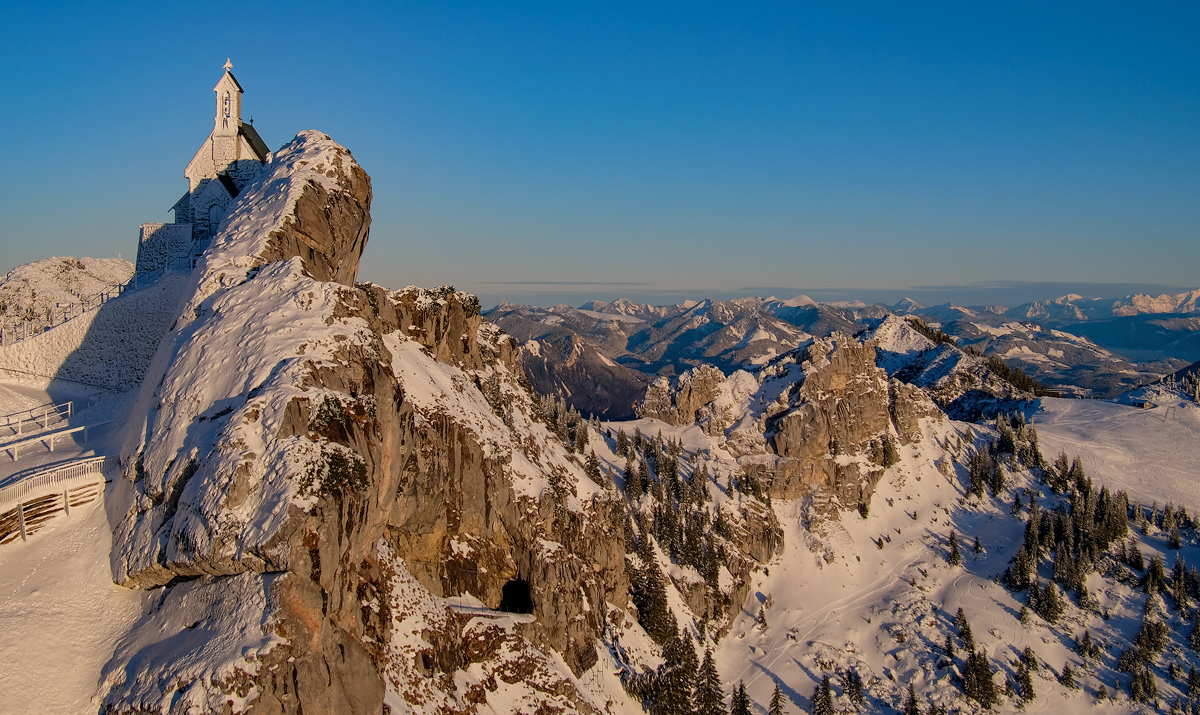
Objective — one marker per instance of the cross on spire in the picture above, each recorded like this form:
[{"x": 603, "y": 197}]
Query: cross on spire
[{"x": 228, "y": 64}]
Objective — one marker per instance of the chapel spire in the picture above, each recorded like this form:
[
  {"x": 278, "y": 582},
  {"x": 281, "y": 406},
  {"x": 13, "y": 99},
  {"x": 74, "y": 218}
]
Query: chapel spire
[{"x": 229, "y": 103}]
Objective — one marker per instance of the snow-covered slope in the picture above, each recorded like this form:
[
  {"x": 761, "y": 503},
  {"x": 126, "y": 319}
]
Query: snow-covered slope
[
  {"x": 60, "y": 614},
  {"x": 109, "y": 347},
  {"x": 31, "y": 291}
]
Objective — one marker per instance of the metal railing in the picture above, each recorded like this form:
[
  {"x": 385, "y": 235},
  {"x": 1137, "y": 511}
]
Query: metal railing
[
  {"x": 44, "y": 415},
  {"x": 55, "y": 480}
]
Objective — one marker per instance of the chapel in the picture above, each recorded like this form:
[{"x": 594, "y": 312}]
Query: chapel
[{"x": 229, "y": 158}]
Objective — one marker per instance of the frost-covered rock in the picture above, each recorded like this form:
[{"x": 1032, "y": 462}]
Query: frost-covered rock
[{"x": 320, "y": 443}]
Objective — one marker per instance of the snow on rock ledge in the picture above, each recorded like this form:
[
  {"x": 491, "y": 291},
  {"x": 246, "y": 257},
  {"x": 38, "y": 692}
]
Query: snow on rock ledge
[{"x": 290, "y": 425}]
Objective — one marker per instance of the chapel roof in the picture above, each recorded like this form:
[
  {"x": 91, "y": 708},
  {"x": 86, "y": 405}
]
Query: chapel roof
[{"x": 259, "y": 146}]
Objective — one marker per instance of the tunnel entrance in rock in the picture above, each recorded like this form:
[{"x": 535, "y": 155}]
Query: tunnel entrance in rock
[{"x": 515, "y": 598}]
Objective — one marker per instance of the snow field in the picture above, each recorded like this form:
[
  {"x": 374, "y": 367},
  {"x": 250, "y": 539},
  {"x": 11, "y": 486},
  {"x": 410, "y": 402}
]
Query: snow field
[
  {"x": 1153, "y": 455},
  {"x": 60, "y": 614}
]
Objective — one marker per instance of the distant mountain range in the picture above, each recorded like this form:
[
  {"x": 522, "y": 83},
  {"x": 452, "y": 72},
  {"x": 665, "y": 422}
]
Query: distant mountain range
[{"x": 601, "y": 356}]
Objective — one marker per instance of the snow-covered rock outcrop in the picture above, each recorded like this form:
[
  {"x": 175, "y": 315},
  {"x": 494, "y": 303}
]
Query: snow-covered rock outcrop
[
  {"x": 310, "y": 460},
  {"x": 816, "y": 418}
]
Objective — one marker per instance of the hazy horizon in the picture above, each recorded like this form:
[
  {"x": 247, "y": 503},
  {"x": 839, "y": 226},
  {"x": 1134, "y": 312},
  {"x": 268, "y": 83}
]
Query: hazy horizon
[{"x": 546, "y": 294}]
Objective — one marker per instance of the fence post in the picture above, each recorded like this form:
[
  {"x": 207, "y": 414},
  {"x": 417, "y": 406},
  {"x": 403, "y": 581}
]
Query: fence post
[
  {"x": 21, "y": 519},
  {"x": 66, "y": 503}
]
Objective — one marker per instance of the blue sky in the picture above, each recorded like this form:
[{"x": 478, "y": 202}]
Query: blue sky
[{"x": 567, "y": 151}]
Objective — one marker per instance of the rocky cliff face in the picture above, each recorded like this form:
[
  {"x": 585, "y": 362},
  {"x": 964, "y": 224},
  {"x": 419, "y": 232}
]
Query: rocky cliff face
[
  {"x": 681, "y": 403},
  {"x": 310, "y": 461},
  {"x": 816, "y": 418},
  {"x": 837, "y": 422}
]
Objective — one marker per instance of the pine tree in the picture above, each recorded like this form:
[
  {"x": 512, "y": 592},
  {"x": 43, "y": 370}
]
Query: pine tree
[
  {"x": 776, "y": 706},
  {"x": 977, "y": 680},
  {"x": 633, "y": 481},
  {"x": 1194, "y": 638},
  {"x": 1068, "y": 676},
  {"x": 651, "y": 601},
  {"x": 910, "y": 702},
  {"x": 1029, "y": 659},
  {"x": 762, "y": 617},
  {"x": 822, "y": 700},
  {"x": 891, "y": 453},
  {"x": 978, "y": 548},
  {"x": 854, "y": 687},
  {"x": 708, "y": 698},
  {"x": 676, "y": 677},
  {"x": 592, "y": 467},
  {"x": 949, "y": 647},
  {"x": 955, "y": 558},
  {"x": 968, "y": 638},
  {"x": 581, "y": 435},
  {"x": 1193, "y": 684},
  {"x": 1136, "y": 561},
  {"x": 740, "y": 704},
  {"x": 1025, "y": 682}
]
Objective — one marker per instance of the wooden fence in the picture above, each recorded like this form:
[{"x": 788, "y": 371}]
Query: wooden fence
[{"x": 27, "y": 505}]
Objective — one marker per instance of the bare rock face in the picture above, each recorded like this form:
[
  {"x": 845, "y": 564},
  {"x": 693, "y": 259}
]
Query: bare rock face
[
  {"x": 329, "y": 227},
  {"x": 308, "y": 459},
  {"x": 815, "y": 418},
  {"x": 845, "y": 406},
  {"x": 681, "y": 403}
]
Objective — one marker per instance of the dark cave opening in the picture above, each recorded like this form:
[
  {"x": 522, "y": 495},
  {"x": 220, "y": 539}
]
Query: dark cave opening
[{"x": 515, "y": 597}]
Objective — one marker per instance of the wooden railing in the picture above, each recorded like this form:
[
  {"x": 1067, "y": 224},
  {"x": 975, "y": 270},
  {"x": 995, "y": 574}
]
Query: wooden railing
[{"x": 26, "y": 505}]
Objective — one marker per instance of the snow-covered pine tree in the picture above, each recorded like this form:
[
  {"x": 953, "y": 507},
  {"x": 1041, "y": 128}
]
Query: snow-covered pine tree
[
  {"x": 776, "y": 706},
  {"x": 1050, "y": 606},
  {"x": 591, "y": 466},
  {"x": 977, "y": 680},
  {"x": 1136, "y": 561},
  {"x": 1068, "y": 676},
  {"x": 822, "y": 700},
  {"x": 676, "y": 678},
  {"x": 581, "y": 435},
  {"x": 633, "y": 482}
]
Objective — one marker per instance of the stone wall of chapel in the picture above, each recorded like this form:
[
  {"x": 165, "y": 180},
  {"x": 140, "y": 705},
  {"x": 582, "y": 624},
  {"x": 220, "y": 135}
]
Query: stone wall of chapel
[{"x": 157, "y": 242}]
